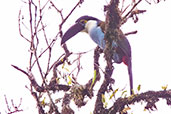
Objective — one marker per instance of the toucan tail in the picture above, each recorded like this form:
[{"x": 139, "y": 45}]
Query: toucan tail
[
  {"x": 127, "y": 61},
  {"x": 130, "y": 76}
]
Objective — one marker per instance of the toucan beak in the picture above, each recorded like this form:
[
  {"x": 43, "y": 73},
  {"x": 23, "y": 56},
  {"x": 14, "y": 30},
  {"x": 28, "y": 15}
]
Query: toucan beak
[{"x": 72, "y": 31}]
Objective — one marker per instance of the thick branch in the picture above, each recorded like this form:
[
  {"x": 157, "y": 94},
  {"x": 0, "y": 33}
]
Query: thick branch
[
  {"x": 111, "y": 34},
  {"x": 150, "y": 97},
  {"x": 90, "y": 84},
  {"x": 39, "y": 106},
  {"x": 99, "y": 109},
  {"x": 65, "y": 105}
]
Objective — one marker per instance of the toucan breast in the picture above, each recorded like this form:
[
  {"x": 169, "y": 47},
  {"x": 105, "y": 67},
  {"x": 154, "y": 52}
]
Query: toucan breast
[{"x": 95, "y": 33}]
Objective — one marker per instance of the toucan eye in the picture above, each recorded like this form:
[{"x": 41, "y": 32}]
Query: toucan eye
[{"x": 83, "y": 22}]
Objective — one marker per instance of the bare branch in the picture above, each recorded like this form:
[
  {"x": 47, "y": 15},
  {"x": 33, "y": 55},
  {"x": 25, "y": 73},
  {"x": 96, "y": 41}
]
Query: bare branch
[
  {"x": 20, "y": 70},
  {"x": 19, "y": 27},
  {"x": 31, "y": 78},
  {"x": 14, "y": 108},
  {"x": 63, "y": 21},
  {"x": 59, "y": 11},
  {"x": 129, "y": 33},
  {"x": 131, "y": 13},
  {"x": 132, "y": 9}
]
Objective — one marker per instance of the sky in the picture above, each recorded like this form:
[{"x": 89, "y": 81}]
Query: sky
[{"x": 150, "y": 51}]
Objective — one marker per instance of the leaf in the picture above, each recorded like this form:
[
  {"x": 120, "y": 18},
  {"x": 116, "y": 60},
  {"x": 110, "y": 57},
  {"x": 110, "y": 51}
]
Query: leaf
[
  {"x": 66, "y": 69},
  {"x": 70, "y": 80},
  {"x": 113, "y": 94},
  {"x": 62, "y": 60},
  {"x": 164, "y": 87},
  {"x": 126, "y": 109},
  {"x": 103, "y": 98},
  {"x": 104, "y": 101},
  {"x": 94, "y": 78},
  {"x": 145, "y": 109},
  {"x": 123, "y": 92},
  {"x": 57, "y": 80},
  {"x": 105, "y": 105},
  {"x": 43, "y": 101},
  {"x": 139, "y": 87},
  {"x": 63, "y": 65}
]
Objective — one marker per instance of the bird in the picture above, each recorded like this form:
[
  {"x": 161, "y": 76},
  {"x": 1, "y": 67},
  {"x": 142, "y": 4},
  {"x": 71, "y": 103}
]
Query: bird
[{"x": 96, "y": 28}]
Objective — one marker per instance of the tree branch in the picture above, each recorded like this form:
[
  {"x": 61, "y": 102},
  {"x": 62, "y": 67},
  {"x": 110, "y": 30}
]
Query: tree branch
[
  {"x": 150, "y": 97},
  {"x": 113, "y": 20}
]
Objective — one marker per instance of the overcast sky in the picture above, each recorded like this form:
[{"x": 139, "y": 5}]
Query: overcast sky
[{"x": 150, "y": 50}]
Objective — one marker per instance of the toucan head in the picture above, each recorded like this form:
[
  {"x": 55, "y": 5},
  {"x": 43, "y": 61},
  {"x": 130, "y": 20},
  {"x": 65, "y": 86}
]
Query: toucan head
[{"x": 77, "y": 27}]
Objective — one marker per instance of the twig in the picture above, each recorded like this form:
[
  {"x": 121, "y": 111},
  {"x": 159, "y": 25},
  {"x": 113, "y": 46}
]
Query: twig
[
  {"x": 131, "y": 10},
  {"x": 50, "y": 46},
  {"x": 125, "y": 9},
  {"x": 20, "y": 70},
  {"x": 59, "y": 11},
  {"x": 148, "y": 2},
  {"x": 63, "y": 21},
  {"x": 45, "y": 4},
  {"x": 31, "y": 33},
  {"x": 129, "y": 33},
  {"x": 31, "y": 78},
  {"x": 15, "y": 108},
  {"x": 19, "y": 27}
]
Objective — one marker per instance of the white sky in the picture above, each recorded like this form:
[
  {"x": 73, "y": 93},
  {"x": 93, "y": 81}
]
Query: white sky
[{"x": 150, "y": 50}]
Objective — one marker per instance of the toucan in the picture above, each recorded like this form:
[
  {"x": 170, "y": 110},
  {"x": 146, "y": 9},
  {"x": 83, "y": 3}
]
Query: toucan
[{"x": 95, "y": 28}]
